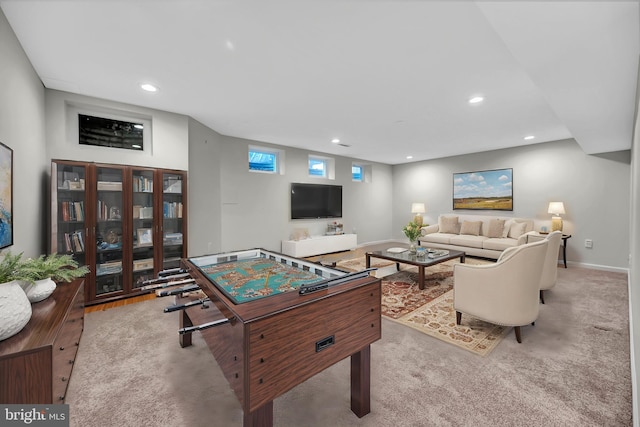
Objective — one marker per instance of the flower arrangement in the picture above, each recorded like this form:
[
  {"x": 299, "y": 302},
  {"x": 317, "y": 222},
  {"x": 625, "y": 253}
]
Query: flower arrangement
[{"x": 412, "y": 231}]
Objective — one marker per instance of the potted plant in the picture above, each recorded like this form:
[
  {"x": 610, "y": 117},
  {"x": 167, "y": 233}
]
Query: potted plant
[
  {"x": 39, "y": 275},
  {"x": 15, "y": 308}
]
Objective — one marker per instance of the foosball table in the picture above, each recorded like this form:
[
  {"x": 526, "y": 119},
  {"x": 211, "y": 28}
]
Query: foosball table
[{"x": 274, "y": 321}]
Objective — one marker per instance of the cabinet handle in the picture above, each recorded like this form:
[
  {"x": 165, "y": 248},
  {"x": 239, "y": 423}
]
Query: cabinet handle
[
  {"x": 60, "y": 397},
  {"x": 71, "y": 361},
  {"x": 64, "y": 379},
  {"x": 61, "y": 348}
]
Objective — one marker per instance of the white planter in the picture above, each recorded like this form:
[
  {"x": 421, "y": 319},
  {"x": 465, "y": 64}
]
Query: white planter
[
  {"x": 15, "y": 309},
  {"x": 38, "y": 290}
]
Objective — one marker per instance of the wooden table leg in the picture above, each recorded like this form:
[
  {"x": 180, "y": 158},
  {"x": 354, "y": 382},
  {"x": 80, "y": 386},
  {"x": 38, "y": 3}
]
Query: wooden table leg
[
  {"x": 420, "y": 277},
  {"x": 261, "y": 417},
  {"x": 185, "y": 321},
  {"x": 361, "y": 382}
]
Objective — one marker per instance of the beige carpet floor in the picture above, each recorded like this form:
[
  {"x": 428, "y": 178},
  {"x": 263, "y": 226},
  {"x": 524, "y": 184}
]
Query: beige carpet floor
[
  {"x": 572, "y": 369},
  {"x": 430, "y": 310}
]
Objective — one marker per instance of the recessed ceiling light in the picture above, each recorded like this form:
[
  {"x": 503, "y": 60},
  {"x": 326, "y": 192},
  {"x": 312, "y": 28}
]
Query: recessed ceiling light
[
  {"x": 529, "y": 137},
  {"x": 229, "y": 45},
  {"x": 148, "y": 87},
  {"x": 335, "y": 140},
  {"x": 476, "y": 99},
  {"x": 409, "y": 157}
]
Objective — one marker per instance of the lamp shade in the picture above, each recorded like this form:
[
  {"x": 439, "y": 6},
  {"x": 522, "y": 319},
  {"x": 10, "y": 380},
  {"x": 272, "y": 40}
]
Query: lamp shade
[
  {"x": 417, "y": 208},
  {"x": 556, "y": 208}
]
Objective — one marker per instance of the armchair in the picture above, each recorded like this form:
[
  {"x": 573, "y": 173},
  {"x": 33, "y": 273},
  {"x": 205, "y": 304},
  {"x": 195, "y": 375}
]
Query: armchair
[
  {"x": 550, "y": 268},
  {"x": 505, "y": 293}
]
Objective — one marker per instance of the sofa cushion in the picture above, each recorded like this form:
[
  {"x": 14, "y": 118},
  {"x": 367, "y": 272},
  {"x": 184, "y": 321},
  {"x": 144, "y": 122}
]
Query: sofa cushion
[
  {"x": 499, "y": 243},
  {"x": 471, "y": 227},
  {"x": 517, "y": 229},
  {"x": 443, "y": 238},
  {"x": 467, "y": 240},
  {"x": 496, "y": 228},
  {"x": 449, "y": 224}
]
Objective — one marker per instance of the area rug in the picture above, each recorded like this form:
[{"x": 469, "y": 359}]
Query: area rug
[{"x": 431, "y": 310}]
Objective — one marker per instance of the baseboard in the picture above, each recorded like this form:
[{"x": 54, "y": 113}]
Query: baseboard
[{"x": 598, "y": 267}]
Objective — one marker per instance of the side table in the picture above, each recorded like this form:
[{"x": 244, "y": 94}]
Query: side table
[{"x": 565, "y": 237}]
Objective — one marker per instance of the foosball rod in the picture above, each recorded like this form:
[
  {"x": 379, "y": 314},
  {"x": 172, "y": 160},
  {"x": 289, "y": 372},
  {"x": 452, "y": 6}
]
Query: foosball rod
[
  {"x": 167, "y": 284},
  {"x": 190, "y": 329},
  {"x": 178, "y": 291},
  {"x": 165, "y": 278},
  {"x": 193, "y": 303},
  {"x": 171, "y": 272}
]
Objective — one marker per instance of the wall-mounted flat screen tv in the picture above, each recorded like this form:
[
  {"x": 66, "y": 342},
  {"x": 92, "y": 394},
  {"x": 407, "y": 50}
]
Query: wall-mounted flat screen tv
[{"x": 316, "y": 201}]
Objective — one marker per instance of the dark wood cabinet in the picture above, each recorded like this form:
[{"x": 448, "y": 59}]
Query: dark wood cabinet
[
  {"x": 130, "y": 223},
  {"x": 36, "y": 363}
]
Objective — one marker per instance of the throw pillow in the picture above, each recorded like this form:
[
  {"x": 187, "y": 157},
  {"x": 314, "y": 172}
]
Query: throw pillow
[
  {"x": 471, "y": 227},
  {"x": 448, "y": 224},
  {"x": 517, "y": 229},
  {"x": 507, "y": 227},
  {"x": 496, "y": 228}
]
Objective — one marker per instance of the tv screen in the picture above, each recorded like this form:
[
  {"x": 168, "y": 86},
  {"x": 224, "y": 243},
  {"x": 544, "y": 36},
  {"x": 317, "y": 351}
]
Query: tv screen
[{"x": 316, "y": 201}]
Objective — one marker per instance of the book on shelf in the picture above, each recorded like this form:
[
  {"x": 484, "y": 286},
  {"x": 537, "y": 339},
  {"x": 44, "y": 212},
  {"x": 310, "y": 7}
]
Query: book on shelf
[
  {"x": 173, "y": 238},
  {"x": 142, "y": 184},
  {"x": 172, "y": 209},
  {"x": 72, "y": 211},
  {"x": 109, "y": 186},
  {"x": 74, "y": 242}
]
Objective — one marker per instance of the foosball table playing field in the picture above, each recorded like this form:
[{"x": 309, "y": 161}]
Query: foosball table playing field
[{"x": 274, "y": 321}]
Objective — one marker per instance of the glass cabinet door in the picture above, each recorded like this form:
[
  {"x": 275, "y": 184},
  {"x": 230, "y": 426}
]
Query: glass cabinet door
[
  {"x": 143, "y": 226},
  {"x": 108, "y": 231},
  {"x": 172, "y": 222},
  {"x": 68, "y": 228}
]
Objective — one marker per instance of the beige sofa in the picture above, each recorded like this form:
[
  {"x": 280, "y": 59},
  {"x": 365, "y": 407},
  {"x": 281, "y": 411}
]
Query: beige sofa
[{"x": 476, "y": 235}]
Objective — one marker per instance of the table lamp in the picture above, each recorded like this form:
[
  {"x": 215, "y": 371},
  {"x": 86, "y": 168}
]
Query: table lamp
[
  {"x": 417, "y": 209},
  {"x": 556, "y": 209}
]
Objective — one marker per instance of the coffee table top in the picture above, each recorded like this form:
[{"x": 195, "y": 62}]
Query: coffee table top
[{"x": 407, "y": 257}]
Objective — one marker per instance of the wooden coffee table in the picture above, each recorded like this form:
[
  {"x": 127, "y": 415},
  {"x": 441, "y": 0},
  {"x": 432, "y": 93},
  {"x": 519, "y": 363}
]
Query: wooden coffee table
[{"x": 411, "y": 259}]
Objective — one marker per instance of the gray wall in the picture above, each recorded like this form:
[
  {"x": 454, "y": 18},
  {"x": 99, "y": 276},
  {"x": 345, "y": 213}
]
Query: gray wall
[
  {"x": 594, "y": 189},
  {"x": 237, "y": 209},
  {"x": 170, "y": 133},
  {"x": 22, "y": 128},
  {"x": 634, "y": 273},
  {"x": 204, "y": 206}
]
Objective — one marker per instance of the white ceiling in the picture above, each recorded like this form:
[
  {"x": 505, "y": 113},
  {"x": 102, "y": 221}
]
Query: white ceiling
[{"x": 389, "y": 78}]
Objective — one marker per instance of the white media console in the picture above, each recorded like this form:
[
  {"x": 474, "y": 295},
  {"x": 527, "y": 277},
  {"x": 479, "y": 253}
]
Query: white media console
[{"x": 317, "y": 245}]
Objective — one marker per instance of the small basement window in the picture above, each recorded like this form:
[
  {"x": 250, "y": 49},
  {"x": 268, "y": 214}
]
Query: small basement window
[
  {"x": 111, "y": 133},
  {"x": 263, "y": 161}
]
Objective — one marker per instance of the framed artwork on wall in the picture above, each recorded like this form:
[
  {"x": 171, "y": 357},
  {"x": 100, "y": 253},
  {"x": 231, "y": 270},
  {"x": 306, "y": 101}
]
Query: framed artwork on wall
[
  {"x": 483, "y": 190},
  {"x": 6, "y": 196}
]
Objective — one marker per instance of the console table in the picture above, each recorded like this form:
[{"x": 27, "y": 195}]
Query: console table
[
  {"x": 36, "y": 363},
  {"x": 317, "y": 245}
]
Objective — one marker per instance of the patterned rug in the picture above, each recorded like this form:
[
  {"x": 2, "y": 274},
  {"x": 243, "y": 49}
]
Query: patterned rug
[{"x": 431, "y": 310}]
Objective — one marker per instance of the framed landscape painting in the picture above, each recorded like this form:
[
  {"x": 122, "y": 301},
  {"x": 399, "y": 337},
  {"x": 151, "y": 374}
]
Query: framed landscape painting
[
  {"x": 483, "y": 190},
  {"x": 6, "y": 196}
]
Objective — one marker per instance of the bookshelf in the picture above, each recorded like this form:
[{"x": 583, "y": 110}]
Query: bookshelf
[{"x": 125, "y": 222}]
